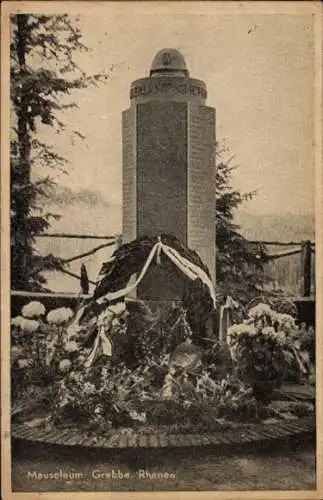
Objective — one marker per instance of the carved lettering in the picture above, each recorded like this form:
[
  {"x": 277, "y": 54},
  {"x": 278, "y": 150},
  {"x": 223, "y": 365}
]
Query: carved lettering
[{"x": 166, "y": 87}]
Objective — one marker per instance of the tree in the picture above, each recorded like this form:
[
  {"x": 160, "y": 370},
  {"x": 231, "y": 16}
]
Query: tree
[
  {"x": 43, "y": 70},
  {"x": 239, "y": 264}
]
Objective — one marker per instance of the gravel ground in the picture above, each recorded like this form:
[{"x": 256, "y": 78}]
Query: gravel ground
[{"x": 287, "y": 466}]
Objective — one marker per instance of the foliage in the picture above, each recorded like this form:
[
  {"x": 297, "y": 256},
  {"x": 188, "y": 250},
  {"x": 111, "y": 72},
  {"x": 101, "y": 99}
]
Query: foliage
[
  {"x": 217, "y": 359},
  {"x": 43, "y": 71},
  {"x": 199, "y": 306},
  {"x": 308, "y": 341},
  {"x": 149, "y": 336},
  {"x": 108, "y": 396},
  {"x": 156, "y": 375},
  {"x": 239, "y": 264},
  {"x": 201, "y": 402},
  {"x": 117, "y": 396},
  {"x": 109, "y": 393},
  {"x": 260, "y": 362}
]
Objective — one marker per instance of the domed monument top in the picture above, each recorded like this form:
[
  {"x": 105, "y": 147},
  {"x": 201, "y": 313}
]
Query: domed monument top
[
  {"x": 168, "y": 80},
  {"x": 169, "y": 61}
]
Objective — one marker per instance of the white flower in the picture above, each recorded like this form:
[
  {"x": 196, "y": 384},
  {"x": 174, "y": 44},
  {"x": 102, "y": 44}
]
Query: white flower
[
  {"x": 60, "y": 315},
  {"x": 281, "y": 337},
  {"x": 33, "y": 309},
  {"x": 269, "y": 330},
  {"x": 98, "y": 409},
  {"x": 81, "y": 358},
  {"x": 89, "y": 388},
  {"x": 274, "y": 316},
  {"x": 248, "y": 321},
  {"x": 71, "y": 346},
  {"x": 17, "y": 320},
  {"x": 260, "y": 310},
  {"x": 29, "y": 325},
  {"x": 141, "y": 417},
  {"x": 64, "y": 365},
  {"x": 23, "y": 363},
  {"x": 241, "y": 328},
  {"x": 75, "y": 376},
  {"x": 236, "y": 329},
  {"x": 285, "y": 319}
]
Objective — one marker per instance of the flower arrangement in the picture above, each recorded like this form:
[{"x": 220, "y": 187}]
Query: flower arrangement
[
  {"x": 156, "y": 373},
  {"x": 37, "y": 347},
  {"x": 260, "y": 362}
]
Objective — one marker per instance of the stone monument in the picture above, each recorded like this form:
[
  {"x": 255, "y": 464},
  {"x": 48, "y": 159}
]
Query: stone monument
[{"x": 169, "y": 167}]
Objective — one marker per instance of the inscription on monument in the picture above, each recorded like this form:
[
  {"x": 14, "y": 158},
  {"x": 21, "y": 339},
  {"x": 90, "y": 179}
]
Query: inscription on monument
[{"x": 144, "y": 89}]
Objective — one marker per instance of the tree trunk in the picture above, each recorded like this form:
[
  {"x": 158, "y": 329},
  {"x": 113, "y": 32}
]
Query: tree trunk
[{"x": 21, "y": 247}]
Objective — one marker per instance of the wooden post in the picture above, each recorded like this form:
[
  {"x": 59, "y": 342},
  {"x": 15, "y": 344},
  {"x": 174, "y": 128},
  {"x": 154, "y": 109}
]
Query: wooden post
[
  {"x": 306, "y": 269},
  {"x": 84, "y": 280},
  {"x": 119, "y": 241},
  {"x": 225, "y": 320}
]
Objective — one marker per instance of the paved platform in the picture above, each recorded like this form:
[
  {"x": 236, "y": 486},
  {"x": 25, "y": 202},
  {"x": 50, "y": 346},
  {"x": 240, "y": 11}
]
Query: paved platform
[{"x": 122, "y": 439}]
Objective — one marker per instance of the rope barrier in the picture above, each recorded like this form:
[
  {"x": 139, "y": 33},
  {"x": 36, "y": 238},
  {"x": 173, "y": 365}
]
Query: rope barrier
[
  {"x": 76, "y": 236},
  {"x": 279, "y": 243},
  {"x": 90, "y": 252}
]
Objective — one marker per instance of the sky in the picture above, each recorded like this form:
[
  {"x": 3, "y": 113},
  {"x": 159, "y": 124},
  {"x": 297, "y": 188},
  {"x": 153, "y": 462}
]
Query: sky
[{"x": 259, "y": 72}]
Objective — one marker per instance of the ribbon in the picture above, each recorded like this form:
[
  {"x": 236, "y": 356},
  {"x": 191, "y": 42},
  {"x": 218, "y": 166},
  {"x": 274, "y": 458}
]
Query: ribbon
[
  {"x": 158, "y": 251},
  {"x": 125, "y": 291},
  {"x": 187, "y": 267},
  {"x": 190, "y": 269},
  {"x": 178, "y": 262},
  {"x": 106, "y": 346}
]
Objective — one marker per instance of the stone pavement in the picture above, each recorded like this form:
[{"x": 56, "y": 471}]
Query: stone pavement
[{"x": 121, "y": 439}]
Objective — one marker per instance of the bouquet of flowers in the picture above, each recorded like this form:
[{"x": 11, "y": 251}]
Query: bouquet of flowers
[
  {"x": 267, "y": 347},
  {"x": 37, "y": 346}
]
